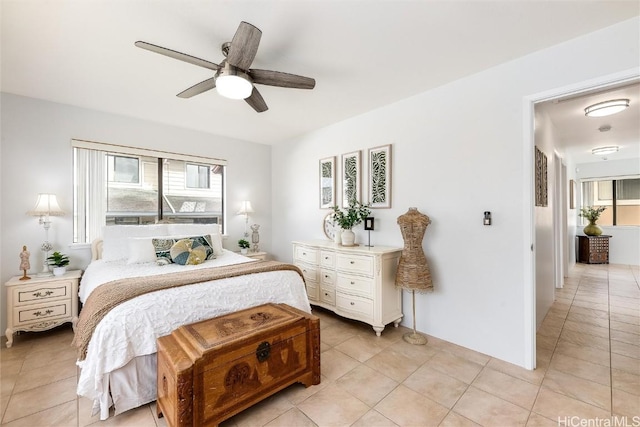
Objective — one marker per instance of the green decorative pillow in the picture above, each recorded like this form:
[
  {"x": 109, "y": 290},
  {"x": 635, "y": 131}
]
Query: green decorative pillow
[
  {"x": 162, "y": 247},
  {"x": 188, "y": 252}
]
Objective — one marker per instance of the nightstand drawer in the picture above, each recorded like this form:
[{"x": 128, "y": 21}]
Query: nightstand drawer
[
  {"x": 34, "y": 313},
  {"x": 358, "y": 264},
  {"x": 39, "y": 292}
]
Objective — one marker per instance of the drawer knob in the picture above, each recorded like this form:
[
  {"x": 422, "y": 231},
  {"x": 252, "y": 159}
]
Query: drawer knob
[
  {"x": 326, "y": 294},
  {"x": 353, "y": 303},
  {"x": 352, "y": 262},
  {"x": 304, "y": 253},
  {"x": 353, "y": 283},
  {"x": 326, "y": 275},
  {"x": 326, "y": 257}
]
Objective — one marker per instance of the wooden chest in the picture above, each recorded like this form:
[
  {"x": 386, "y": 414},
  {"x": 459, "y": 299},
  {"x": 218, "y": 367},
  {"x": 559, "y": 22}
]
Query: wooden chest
[{"x": 211, "y": 370}]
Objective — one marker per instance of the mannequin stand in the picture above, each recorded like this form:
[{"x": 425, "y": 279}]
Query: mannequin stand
[{"x": 414, "y": 337}]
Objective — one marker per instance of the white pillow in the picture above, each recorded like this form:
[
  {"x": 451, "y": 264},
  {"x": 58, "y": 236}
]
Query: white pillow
[
  {"x": 193, "y": 229},
  {"x": 186, "y": 230},
  {"x": 116, "y": 238},
  {"x": 141, "y": 250}
]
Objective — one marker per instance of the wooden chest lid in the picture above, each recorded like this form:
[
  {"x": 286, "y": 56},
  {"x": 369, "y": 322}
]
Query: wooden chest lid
[{"x": 210, "y": 334}]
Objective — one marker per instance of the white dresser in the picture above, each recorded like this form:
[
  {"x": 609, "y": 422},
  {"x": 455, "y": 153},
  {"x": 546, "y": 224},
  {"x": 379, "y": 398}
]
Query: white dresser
[{"x": 355, "y": 282}]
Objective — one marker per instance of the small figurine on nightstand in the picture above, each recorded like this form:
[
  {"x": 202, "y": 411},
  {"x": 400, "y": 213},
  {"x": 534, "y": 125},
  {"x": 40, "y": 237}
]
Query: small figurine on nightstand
[
  {"x": 255, "y": 237},
  {"x": 24, "y": 263}
]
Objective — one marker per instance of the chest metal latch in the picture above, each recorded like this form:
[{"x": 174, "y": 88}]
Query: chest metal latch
[{"x": 263, "y": 351}]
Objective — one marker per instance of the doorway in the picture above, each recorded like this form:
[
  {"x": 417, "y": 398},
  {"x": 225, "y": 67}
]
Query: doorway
[{"x": 551, "y": 232}]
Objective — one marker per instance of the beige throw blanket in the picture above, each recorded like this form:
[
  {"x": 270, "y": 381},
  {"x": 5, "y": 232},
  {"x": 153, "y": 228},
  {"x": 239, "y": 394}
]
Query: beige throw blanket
[{"x": 109, "y": 295}]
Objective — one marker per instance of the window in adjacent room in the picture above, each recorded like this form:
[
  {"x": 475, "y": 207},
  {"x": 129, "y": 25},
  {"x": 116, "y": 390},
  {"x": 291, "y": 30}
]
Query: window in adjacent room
[
  {"x": 123, "y": 185},
  {"x": 621, "y": 196}
]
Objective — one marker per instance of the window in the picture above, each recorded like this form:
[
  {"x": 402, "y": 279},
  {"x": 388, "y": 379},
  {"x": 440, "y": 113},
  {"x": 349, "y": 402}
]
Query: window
[
  {"x": 621, "y": 196},
  {"x": 139, "y": 186},
  {"x": 197, "y": 176},
  {"x": 123, "y": 169}
]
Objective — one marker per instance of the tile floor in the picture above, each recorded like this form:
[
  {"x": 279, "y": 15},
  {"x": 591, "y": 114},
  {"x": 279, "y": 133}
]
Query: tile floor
[{"x": 588, "y": 368}]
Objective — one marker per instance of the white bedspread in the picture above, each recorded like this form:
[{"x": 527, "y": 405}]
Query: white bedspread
[{"x": 131, "y": 329}]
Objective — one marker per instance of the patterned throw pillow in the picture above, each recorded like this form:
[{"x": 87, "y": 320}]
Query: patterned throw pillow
[
  {"x": 162, "y": 246},
  {"x": 188, "y": 252}
]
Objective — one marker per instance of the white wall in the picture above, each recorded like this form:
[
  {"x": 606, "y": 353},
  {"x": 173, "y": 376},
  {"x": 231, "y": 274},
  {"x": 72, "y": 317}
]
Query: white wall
[
  {"x": 37, "y": 158},
  {"x": 544, "y": 222},
  {"x": 457, "y": 151},
  {"x": 624, "y": 245}
]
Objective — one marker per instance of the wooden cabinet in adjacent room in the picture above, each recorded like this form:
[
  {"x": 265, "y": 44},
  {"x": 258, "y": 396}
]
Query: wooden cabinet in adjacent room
[{"x": 593, "y": 249}]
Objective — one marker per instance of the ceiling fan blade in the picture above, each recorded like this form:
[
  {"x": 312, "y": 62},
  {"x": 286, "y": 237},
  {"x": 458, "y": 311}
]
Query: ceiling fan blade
[
  {"x": 257, "y": 101},
  {"x": 177, "y": 55},
  {"x": 198, "y": 88},
  {"x": 244, "y": 46},
  {"x": 277, "y": 78}
]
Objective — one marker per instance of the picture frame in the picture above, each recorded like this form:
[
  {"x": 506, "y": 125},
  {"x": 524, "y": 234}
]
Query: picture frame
[
  {"x": 541, "y": 178},
  {"x": 327, "y": 179},
  {"x": 369, "y": 223},
  {"x": 572, "y": 194},
  {"x": 351, "y": 185},
  {"x": 379, "y": 188}
]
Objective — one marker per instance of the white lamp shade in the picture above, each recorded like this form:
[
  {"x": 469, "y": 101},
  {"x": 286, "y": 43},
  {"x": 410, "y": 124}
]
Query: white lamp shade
[
  {"x": 47, "y": 204},
  {"x": 234, "y": 87},
  {"x": 245, "y": 208}
]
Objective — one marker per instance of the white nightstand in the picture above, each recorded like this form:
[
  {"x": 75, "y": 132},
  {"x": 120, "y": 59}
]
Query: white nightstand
[
  {"x": 257, "y": 255},
  {"x": 41, "y": 303}
]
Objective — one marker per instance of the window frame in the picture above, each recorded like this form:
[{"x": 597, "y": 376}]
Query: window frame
[{"x": 612, "y": 202}]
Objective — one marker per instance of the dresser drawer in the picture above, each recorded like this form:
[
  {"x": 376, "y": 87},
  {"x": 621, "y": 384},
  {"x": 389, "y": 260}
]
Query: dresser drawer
[
  {"x": 28, "y": 295},
  {"x": 327, "y": 259},
  {"x": 362, "y": 307},
  {"x": 313, "y": 290},
  {"x": 37, "y": 312},
  {"x": 305, "y": 254},
  {"x": 355, "y": 285},
  {"x": 358, "y": 264},
  {"x": 309, "y": 272},
  {"x": 328, "y": 295},
  {"x": 327, "y": 277}
]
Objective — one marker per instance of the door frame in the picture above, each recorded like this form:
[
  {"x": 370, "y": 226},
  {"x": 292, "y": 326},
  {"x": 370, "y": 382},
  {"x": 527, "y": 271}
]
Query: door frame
[{"x": 528, "y": 109}]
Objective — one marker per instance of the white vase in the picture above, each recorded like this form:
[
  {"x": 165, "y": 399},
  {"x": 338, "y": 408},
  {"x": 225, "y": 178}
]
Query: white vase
[
  {"x": 348, "y": 238},
  {"x": 59, "y": 271},
  {"x": 244, "y": 251}
]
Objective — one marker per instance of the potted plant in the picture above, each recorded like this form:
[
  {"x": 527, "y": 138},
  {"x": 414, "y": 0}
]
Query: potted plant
[
  {"x": 59, "y": 262},
  {"x": 592, "y": 214},
  {"x": 348, "y": 218},
  {"x": 244, "y": 246}
]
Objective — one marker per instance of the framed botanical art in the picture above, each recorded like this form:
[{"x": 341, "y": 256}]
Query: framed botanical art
[
  {"x": 350, "y": 178},
  {"x": 327, "y": 182},
  {"x": 380, "y": 176},
  {"x": 541, "y": 178}
]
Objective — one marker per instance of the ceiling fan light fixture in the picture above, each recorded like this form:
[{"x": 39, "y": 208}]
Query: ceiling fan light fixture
[
  {"x": 233, "y": 83},
  {"x": 603, "y": 151},
  {"x": 606, "y": 108}
]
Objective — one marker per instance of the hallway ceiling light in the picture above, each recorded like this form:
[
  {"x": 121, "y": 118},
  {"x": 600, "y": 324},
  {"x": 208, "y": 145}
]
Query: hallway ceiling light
[
  {"x": 603, "y": 151},
  {"x": 606, "y": 108}
]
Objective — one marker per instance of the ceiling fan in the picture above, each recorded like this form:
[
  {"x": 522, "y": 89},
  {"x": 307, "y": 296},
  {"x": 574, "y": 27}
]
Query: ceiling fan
[{"x": 233, "y": 78}]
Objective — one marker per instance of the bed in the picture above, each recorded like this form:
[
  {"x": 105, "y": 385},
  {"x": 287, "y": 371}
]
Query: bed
[{"x": 119, "y": 368}]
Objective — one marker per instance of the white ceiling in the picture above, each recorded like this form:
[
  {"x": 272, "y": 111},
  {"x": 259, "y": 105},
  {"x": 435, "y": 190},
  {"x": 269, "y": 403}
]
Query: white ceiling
[
  {"x": 578, "y": 134},
  {"x": 363, "y": 54}
]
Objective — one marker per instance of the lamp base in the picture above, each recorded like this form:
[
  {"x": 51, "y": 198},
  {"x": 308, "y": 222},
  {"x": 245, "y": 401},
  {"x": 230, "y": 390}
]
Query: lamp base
[{"x": 414, "y": 338}]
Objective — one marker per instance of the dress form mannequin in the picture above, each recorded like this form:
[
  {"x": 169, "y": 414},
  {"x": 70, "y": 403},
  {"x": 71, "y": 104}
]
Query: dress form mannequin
[{"x": 413, "y": 271}]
